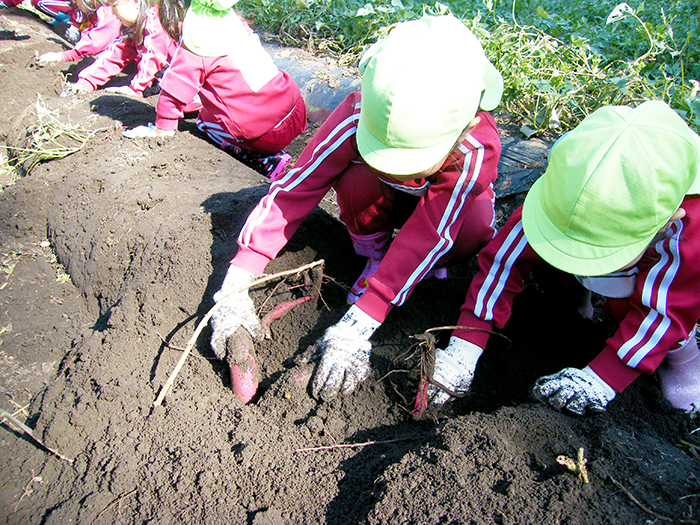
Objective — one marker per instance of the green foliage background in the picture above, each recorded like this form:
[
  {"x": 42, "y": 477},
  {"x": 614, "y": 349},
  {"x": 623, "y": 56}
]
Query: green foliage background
[{"x": 559, "y": 60}]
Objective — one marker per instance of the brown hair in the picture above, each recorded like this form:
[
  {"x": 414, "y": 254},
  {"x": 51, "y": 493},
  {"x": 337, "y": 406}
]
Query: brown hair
[
  {"x": 171, "y": 13},
  {"x": 90, "y": 6},
  {"x": 136, "y": 31}
]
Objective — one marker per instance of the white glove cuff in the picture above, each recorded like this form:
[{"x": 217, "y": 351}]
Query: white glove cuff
[
  {"x": 599, "y": 383},
  {"x": 357, "y": 320},
  {"x": 235, "y": 278},
  {"x": 463, "y": 352}
]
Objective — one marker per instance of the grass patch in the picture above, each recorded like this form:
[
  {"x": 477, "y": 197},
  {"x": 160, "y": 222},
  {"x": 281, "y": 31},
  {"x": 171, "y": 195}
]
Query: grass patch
[{"x": 560, "y": 60}]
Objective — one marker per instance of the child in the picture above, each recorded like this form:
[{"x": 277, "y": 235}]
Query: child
[
  {"x": 102, "y": 27},
  {"x": 143, "y": 39},
  {"x": 249, "y": 107},
  {"x": 59, "y": 10},
  {"x": 619, "y": 207},
  {"x": 408, "y": 151}
]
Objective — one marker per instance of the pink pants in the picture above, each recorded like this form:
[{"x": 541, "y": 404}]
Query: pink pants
[
  {"x": 368, "y": 205},
  {"x": 271, "y": 142}
]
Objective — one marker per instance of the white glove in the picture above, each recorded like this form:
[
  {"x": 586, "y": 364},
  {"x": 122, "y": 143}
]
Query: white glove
[
  {"x": 73, "y": 89},
  {"x": 149, "y": 131},
  {"x": 51, "y": 56},
  {"x": 345, "y": 351},
  {"x": 72, "y": 34},
  {"x": 454, "y": 369},
  {"x": 122, "y": 90},
  {"x": 238, "y": 311},
  {"x": 575, "y": 390}
]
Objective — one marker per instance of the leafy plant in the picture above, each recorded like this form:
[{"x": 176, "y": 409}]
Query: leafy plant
[
  {"x": 560, "y": 60},
  {"x": 47, "y": 138}
]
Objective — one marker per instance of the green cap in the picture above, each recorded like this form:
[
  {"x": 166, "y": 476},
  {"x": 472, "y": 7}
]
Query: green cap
[
  {"x": 611, "y": 184},
  {"x": 421, "y": 86}
]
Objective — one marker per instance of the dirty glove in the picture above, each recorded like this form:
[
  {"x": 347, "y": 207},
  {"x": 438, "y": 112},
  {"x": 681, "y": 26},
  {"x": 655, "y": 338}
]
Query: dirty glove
[
  {"x": 73, "y": 89},
  {"x": 72, "y": 34},
  {"x": 149, "y": 131},
  {"x": 51, "y": 56},
  {"x": 122, "y": 90},
  {"x": 345, "y": 351},
  {"x": 575, "y": 390},
  {"x": 454, "y": 369},
  {"x": 238, "y": 311}
]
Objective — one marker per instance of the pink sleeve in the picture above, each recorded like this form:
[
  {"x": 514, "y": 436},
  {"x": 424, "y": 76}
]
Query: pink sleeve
[
  {"x": 290, "y": 199},
  {"x": 178, "y": 87},
  {"x": 504, "y": 264},
  {"x": 108, "y": 63},
  {"x": 430, "y": 233},
  {"x": 664, "y": 308},
  {"x": 96, "y": 38},
  {"x": 156, "y": 50}
]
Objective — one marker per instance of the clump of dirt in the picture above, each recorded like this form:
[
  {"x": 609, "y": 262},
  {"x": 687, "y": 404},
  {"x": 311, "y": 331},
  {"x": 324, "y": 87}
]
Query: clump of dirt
[{"x": 110, "y": 257}]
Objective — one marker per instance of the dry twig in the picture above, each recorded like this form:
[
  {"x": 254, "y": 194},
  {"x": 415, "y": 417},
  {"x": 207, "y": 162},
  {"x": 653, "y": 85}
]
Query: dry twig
[
  {"x": 353, "y": 445},
  {"x": 205, "y": 320},
  {"x": 24, "y": 428},
  {"x": 113, "y": 503},
  {"x": 27, "y": 490},
  {"x": 647, "y": 509}
]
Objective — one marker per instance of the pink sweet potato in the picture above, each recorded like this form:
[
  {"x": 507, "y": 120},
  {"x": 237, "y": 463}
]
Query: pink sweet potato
[{"x": 240, "y": 354}]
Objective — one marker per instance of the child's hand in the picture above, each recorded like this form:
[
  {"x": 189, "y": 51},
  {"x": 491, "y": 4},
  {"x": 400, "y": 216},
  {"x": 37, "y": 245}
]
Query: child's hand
[
  {"x": 72, "y": 34},
  {"x": 74, "y": 89},
  {"x": 122, "y": 90},
  {"x": 149, "y": 131},
  {"x": 573, "y": 389},
  {"x": 51, "y": 56}
]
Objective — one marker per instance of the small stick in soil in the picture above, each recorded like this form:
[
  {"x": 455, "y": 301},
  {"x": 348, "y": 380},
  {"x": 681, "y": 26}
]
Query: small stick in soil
[
  {"x": 205, "y": 320},
  {"x": 113, "y": 503},
  {"x": 647, "y": 509},
  {"x": 173, "y": 347},
  {"x": 28, "y": 431},
  {"x": 354, "y": 445}
]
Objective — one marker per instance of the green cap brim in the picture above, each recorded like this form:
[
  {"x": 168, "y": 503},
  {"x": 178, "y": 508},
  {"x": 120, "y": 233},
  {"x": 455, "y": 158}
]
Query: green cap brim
[{"x": 569, "y": 255}]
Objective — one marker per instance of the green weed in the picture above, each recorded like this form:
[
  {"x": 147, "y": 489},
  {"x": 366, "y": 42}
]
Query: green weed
[{"x": 560, "y": 60}]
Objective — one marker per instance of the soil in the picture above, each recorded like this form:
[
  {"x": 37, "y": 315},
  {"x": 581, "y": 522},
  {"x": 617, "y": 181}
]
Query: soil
[{"x": 108, "y": 261}]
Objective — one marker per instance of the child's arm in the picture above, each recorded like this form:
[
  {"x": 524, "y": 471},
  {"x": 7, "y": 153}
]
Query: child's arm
[
  {"x": 664, "y": 308},
  {"x": 290, "y": 199},
  {"x": 108, "y": 64},
  {"x": 504, "y": 264},
  {"x": 96, "y": 38},
  {"x": 157, "y": 49},
  {"x": 178, "y": 87}
]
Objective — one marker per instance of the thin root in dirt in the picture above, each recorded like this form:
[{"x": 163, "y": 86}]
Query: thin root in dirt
[
  {"x": 312, "y": 280},
  {"x": 424, "y": 351}
]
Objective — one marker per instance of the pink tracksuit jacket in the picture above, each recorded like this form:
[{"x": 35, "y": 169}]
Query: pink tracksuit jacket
[
  {"x": 152, "y": 55},
  {"x": 456, "y": 201},
  {"x": 658, "y": 316},
  {"x": 103, "y": 29}
]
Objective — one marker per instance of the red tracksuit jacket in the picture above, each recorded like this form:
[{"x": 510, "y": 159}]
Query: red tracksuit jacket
[
  {"x": 661, "y": 312},
  {"x": 426, "y": 236},
  {"x": 152, "y": 55}
]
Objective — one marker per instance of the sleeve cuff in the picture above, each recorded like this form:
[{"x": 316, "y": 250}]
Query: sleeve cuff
[
  {"x": 69, "y": 56},
  {"x": 610, "y": 368},
  {"x": 82, "y": 83},
  {"x": 250, "y": 260},
  {"x": 166, "y": 124}
]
